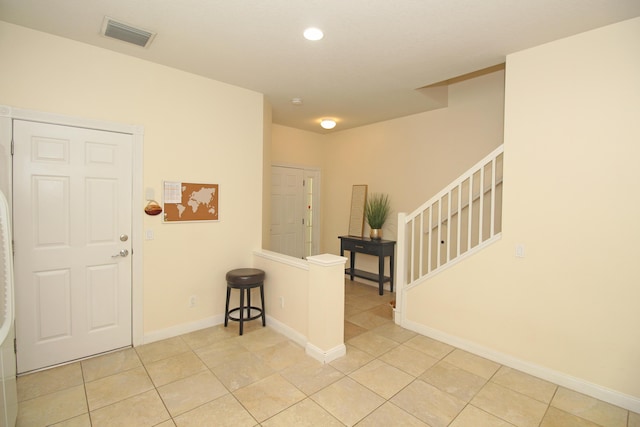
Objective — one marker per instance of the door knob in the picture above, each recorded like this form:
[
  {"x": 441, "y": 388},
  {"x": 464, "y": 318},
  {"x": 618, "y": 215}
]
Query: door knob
[
  {"x": 123, "y": 253},
  {"x": 124, "y": 237}
]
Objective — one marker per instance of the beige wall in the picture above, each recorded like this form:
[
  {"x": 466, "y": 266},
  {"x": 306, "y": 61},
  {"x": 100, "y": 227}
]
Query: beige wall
[
  {"x": 410, "y": 158},
  {"x": 195, "y": 129},
  {"x": 297, "y": 147},
  {"x": 287, "y": 278},
  {"x": 570, "y": 197},
  {"x": 568, "y": 310},
  {"x": 570, "y": 305},
  {"x": 413, "y": 157}
]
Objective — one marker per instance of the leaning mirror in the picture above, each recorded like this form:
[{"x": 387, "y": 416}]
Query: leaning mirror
[{"x": 358, "y": 202}]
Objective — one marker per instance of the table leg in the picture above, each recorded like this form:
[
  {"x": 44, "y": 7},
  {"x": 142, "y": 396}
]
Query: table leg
[
  {"x": 352, "y": 264},
  {"x": 381, "y": 274}
]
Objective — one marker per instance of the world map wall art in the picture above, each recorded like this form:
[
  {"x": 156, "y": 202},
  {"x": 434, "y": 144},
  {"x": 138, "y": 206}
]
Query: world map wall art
[{"x": 186, "y": 201}]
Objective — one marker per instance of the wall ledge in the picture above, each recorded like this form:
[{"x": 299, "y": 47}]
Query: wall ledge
[
  {"x": 327, "y": 260},
  {"x": 281, "y": 258}
]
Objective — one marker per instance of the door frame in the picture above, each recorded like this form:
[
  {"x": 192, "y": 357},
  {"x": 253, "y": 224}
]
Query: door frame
[
  {"x": 315, "y": 210},
  {"x": 8, "y": 114}
]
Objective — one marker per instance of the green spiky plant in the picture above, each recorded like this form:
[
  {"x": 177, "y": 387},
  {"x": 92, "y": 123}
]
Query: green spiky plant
[{"x": 377, "y": 210}]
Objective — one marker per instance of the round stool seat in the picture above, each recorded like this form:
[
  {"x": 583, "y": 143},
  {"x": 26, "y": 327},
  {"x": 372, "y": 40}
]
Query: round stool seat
[
  {"x": 245, "y": 279},
  {"x": 241, "y": 277}
]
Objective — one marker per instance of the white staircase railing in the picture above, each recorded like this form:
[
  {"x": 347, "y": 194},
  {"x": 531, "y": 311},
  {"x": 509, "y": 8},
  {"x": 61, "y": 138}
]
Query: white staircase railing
[{"x": 455, "y": 223}]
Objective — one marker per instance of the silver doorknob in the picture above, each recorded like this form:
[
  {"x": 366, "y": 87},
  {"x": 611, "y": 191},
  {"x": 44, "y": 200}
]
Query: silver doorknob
[{"x": 123, "y": 253}]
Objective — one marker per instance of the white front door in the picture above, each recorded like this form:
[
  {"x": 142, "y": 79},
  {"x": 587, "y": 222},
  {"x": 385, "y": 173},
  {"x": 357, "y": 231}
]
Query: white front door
[
  {"x": 287, "y": 199},
  {"x": 72, "y": 192}
]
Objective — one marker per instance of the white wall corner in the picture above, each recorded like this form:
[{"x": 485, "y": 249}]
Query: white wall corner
[{"x": 325, "y": 356}]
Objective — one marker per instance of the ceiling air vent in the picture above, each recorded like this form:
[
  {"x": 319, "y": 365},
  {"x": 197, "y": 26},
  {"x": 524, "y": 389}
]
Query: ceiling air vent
[{"x": 126, "y": 33}]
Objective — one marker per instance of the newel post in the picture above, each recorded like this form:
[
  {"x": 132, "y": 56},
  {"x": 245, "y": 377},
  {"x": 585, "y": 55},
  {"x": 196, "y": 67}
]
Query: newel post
[{"x": 326, "y": 307}]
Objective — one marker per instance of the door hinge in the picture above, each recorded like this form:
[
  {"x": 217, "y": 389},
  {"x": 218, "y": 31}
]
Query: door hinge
[
  {"x": 12, "y": 146},
  {"x": 303, "y": 183},
  {"x": 15, "y": 346}
]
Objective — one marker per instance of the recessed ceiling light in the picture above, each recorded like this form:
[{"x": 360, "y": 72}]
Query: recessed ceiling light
[
  {"x": 313, "y": 34},
  {"x": 296, "y": 101},
  {"x": 328, "y": 123}
]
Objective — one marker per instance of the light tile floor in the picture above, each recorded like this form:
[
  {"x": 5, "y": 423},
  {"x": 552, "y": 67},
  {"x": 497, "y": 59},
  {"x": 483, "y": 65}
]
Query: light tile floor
[{"x": 389, "y": 377}]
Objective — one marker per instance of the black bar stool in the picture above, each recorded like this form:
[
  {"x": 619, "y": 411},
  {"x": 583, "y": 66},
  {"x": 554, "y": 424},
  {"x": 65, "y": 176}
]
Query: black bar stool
[{"x": 245, "y": 279}]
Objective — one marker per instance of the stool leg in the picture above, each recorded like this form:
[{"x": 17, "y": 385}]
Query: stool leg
[
  {"x": 264, "y": 322},
  {"x": 249, "y": 303},
  {"x": 241, "y": 310},
  {"x": 226, "y": 308}
]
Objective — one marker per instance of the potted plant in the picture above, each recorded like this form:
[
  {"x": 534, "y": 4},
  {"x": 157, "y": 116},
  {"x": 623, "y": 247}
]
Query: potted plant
[{"x": 377, "y": 211}]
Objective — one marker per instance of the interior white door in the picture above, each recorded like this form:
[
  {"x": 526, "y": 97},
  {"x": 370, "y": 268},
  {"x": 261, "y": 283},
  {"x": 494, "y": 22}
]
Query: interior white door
[
  {"x": 287, "y": 199},
  {"x": 72, "y": 228}
]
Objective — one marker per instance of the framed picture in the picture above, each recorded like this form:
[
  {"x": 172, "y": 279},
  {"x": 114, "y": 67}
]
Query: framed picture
[{"x": 186, "y": 201}]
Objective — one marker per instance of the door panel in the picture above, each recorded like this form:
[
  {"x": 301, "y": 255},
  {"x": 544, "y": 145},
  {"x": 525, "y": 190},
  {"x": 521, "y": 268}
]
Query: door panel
[
  {"x": 53, "y": 305},
  {"x": 72, "y": 201},
  {"x": 102, "y": 284},
  {"x": 101, "y": 202},
  {"x": 50, "y": 202}
]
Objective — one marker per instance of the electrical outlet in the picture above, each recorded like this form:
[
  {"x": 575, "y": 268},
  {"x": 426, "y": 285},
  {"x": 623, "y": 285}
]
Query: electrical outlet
[
  {"x": 281, "y": 302},
  {"x": 192, "y": 301}
]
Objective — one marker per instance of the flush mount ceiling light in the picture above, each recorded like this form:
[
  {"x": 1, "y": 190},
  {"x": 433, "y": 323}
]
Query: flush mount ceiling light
[
  {"x": 328, "y": 123},
  {"x": 296, "y": 101},
  {"x": 126, "y": 33},
  {"x": 313, "y": 34}
]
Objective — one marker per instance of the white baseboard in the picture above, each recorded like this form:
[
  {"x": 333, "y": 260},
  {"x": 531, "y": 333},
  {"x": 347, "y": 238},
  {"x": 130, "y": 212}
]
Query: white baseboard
[
  {"x": 185, "y": 328},
  {"x": 287, "y": 331},
  {"x": 622, "y": 400},
  {"x": 292, "y": 334},
  {"x": 325, "y": 356},
  {"x": 310, "y": 349}
]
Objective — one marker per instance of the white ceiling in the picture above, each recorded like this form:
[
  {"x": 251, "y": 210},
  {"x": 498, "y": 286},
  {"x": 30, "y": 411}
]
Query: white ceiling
[{"x": 374, "y": 55}]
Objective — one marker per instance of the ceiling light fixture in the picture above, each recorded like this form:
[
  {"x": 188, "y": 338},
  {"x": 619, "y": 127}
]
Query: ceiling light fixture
[
  {"x": 313, "y": 34},
  {"x": 296, "y": 101},
  {"x": 328, "y": 123}
]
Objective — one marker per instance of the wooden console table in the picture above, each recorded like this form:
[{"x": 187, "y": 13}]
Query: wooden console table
[{"x": 379, "y": 248}]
